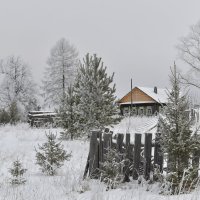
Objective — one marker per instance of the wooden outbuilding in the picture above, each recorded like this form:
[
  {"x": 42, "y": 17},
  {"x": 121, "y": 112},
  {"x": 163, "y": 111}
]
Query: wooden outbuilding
[
  {"x": 143, "y": 101},
  {"x": 43, "y": 119}
]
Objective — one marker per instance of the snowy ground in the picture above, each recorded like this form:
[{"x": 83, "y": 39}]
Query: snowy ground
[{"x": 20, "y": 141}]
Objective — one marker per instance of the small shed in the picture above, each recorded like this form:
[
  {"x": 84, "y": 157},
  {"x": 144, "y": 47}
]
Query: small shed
[{"x": 43, "y": 119}]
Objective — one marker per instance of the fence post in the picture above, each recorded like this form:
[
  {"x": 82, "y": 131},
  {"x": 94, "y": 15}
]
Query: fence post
[
  {"x": 106, "y": 130},
  {"x": 100, "y": 149},
  {"x": 86, "y": 166},
  {"x": 158, "y": 156},
  {"x": 147, "y": 155},
  {"x": 127, "y": 161},
  {"x": 93, "y": 155},
  {"x": 136, "y": 157},
  {"x": 120, "y": 138},
  {"x": 107, "y": 143}
]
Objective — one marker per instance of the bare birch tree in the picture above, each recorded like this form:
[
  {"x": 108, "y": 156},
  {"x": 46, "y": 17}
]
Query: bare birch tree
[
  {"x": 17, "y": 86},
  {"x": 60, "y": 72},
  {"x": 189, "y": 52}
]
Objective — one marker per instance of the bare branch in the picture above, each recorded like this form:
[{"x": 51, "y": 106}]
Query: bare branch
[{"x": 189, "y": 52}]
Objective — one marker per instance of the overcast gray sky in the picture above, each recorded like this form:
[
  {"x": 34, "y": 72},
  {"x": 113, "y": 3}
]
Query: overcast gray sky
[{"x": 135, "y": 38}]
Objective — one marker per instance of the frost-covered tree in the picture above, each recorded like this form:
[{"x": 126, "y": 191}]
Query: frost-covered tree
[
  {"x": 68, "y": 115},
  {"x": 14, "y": 113},
  {"x": 51, "y": 155},
  {"x": 59, "y": 74},
  {"x": 17, "y": 87},
  {"x": 95, "y": 96},
  {"x": 17, "y": 172},
  {"x": 4, "y": 117},
  {"x": 176, "y": 137}
]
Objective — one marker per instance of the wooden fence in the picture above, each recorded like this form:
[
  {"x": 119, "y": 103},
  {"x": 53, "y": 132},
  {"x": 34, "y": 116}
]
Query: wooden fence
[{"x": 139, "y": 156}]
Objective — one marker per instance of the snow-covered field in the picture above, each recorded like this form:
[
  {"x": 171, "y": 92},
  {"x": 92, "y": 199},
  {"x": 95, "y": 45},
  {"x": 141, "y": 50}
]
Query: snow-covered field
[{"x": 19, "y": 142}]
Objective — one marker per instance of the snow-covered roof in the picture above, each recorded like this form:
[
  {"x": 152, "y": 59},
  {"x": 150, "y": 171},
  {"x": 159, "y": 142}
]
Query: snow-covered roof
[
  {"x": 160, "y": 96},
  {"x": 40, "y": 111},
  {"x": 44, "y": 114}
]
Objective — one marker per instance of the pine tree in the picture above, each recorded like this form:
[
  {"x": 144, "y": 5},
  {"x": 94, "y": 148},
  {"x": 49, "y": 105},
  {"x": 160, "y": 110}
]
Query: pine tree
[
  {"x": 176, "y": 138},
  {"x": 51, "y": 155},
  {"x": 17, "y": 172},
  {"x": 68, "y": 115},
  {"x": 95, "y": 97}
]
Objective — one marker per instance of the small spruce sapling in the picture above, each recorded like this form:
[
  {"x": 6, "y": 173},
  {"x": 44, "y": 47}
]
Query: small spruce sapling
[
  {"x": 111, "y": 170},
  {"x": 51, "y": 155},
  {"x": 17, "y": 172}
]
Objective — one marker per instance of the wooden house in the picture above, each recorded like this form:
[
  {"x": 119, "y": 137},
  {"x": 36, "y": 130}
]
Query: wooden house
[{"x": 143, "y": 101}]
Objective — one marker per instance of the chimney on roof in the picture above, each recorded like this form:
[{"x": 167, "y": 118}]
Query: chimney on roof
[{"x": 155, "y": 90}]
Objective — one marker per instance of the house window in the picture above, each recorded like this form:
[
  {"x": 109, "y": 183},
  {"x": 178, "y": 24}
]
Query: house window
[
  {"x": 141, "y": 111},
  {"x": 149, "y": 111},
  {"x": 125, "y": 110},
  {"x": 134, "y": 112}
]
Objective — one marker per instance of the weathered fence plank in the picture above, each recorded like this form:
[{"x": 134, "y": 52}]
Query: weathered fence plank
[
  {"x": 128, "y": 146},
  {"x": 120, "y": 138},
  {"x": 127, "y": 159},
  {"x": 107, "y": 142},
  {"x": 100, "y": 150},
  {"x": 86, "y": 167},
  {"x": 147, "y": 155},
  {"x": 93, "y": 155},
  {"x": 136, "y": 157},
  {"x": 158, "y": 156}
]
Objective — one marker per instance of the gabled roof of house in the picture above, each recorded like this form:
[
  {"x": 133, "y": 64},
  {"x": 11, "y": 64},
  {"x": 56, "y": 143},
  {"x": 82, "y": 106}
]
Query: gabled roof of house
[{"x": 160, "y": 96}]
